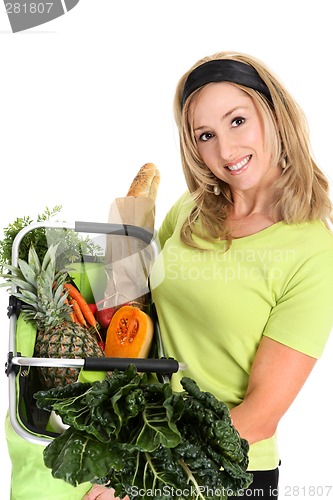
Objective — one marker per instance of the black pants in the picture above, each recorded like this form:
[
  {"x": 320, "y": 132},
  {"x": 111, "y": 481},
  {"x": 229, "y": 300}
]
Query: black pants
[{"x": 264, "y": 486}]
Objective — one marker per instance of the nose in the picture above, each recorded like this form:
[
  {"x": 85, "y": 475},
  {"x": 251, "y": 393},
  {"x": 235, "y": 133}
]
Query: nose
[{"x": 226, "y": 147}]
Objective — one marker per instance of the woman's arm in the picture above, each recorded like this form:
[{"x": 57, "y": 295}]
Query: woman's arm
[{"x": 277, "y": 375}]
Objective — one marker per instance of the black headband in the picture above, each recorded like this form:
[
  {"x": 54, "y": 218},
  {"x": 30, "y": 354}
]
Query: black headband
[{"x": 224, "y": 70}]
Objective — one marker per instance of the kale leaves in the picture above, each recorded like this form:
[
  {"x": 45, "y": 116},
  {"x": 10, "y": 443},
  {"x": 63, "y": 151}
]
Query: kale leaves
[{"x": 142, "y": 438}]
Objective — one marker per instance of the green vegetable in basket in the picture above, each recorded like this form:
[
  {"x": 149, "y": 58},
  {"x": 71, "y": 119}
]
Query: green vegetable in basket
[
  {"x": 71, "y": 245},
  {"x": 138, "y": 435}
]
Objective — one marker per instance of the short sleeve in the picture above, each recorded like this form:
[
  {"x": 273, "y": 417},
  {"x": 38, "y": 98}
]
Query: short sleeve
[
  {"x": 170, "y": 221},
  {"x": 303, "y": 317}
]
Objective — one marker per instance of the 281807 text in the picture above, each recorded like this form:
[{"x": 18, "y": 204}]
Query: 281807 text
[
  {"x": 308, "y": 491},
  {"x": 28, "y": 8}
]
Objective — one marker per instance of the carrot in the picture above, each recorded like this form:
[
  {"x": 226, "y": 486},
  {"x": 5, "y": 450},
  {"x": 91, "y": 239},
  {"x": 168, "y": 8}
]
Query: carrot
[
  {"x": 75, "y": 320},
  {"x": 86, "y": 311},
  {"x": 72, "y": 314},
  {"x": 77, "y": 311}
]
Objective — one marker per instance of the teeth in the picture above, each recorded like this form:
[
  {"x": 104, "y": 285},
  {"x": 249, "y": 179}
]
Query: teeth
[{"x": 239, "y": 164}]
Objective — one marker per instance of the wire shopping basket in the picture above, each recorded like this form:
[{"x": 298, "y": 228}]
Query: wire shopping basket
[{"x": 29, "y": 422}]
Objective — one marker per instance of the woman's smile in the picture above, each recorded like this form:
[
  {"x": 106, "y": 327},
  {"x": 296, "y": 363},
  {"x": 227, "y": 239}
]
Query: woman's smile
[{"x": 240, "y": 166}]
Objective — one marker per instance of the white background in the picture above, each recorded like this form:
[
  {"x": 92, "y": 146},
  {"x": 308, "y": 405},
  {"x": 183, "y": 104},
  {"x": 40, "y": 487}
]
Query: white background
[{"x": 86, "y": 100}]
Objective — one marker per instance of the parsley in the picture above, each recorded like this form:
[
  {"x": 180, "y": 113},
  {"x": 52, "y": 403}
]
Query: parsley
[{"x": 71, "y": 245}]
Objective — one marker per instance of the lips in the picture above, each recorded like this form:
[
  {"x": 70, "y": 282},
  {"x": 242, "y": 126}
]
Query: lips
[{"x": 240, "y": 166}]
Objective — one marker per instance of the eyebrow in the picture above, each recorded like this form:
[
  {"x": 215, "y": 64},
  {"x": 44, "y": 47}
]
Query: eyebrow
[{"x": 226, "y": 115}]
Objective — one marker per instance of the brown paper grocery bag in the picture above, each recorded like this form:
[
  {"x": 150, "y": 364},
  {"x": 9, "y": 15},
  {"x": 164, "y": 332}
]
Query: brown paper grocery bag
[{"x": 128, "y": 260}]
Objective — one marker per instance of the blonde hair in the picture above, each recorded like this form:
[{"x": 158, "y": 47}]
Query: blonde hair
[{"x": 302, "y": 191}]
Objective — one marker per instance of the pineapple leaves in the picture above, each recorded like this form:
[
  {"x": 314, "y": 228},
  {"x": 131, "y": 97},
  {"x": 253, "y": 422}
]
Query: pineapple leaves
[
  {"x": 33, "y": 260},
  {"x": 20, "y": 283},
  {"x": 45, "y": 287},
  {"x": 49, "y": 258},
  {"x": 27, "y": 297},
  {"x": 59, "y": 293},
  {"x": 28, "y": 273},
  {"x": 25, "y": 276},
  {"x": 12, "y": 279},
  {"x": 40, "y": 287}
]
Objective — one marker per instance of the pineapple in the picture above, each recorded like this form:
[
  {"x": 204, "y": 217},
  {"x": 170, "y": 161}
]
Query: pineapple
[{"x": 41, "y": 289}]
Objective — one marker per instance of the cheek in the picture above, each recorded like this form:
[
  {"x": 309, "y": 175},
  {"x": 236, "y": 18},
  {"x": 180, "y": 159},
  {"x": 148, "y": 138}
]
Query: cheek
[
  {"x": 206, "y": 152},
  {"x": 255, "y": 138},
  {"x": 202, "y": 153}
]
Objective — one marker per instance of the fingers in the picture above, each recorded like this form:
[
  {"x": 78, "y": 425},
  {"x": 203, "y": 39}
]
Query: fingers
[{"x": 98, "y": 492}]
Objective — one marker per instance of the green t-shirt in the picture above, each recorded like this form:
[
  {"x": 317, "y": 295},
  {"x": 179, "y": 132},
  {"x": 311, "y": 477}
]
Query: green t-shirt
[{"x": 214, "y": 306}]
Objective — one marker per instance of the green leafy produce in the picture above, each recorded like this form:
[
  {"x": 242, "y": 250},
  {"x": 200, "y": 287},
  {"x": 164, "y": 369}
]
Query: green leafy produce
[
  {"x": 145, "y": 439},
  {"x": 71, "y": 245}
]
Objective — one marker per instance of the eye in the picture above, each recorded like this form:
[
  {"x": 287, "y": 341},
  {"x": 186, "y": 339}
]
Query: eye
[
  {"x": 205, "y": 136},
  {"x": 237, "y": 121}
]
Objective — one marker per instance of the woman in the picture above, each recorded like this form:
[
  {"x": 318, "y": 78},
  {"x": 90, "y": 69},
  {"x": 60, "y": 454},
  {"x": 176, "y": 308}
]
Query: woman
[{"x": 247, "y": 253}]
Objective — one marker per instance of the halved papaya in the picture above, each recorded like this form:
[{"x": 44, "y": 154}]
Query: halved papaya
[{"x": 130, "y": 333}]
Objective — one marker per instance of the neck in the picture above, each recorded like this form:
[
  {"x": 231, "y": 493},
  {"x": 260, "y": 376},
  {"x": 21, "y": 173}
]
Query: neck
[
  {"x": 247, "y": 206},
  {"x": 249, "y": 215}
]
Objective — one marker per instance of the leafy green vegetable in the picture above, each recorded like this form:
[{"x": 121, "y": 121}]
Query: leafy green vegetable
[
  {"x": 79, "y": 452},
  {"x": 71, "y": 245},
  {"x": 138, "y": 435}
]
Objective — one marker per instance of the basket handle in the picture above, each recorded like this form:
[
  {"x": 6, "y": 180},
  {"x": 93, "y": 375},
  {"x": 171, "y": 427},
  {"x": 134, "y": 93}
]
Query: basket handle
[
  {"x": 161, "y": 365},
  {"x": 115, "y": 229},
  {"x": 158, "y": 365}
]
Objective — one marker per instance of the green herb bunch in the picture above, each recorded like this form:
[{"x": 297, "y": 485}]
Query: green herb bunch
[
  {"x": 71, "y": 245},
  {"x": 141, "y": 436}
]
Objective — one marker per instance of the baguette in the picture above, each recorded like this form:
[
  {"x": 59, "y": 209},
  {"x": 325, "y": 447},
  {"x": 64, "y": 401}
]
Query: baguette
[{"x": 146, "y": 182}]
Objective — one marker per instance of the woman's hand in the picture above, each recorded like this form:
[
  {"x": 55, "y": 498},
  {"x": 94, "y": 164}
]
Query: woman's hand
[{"x": 98, "y": 492}]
